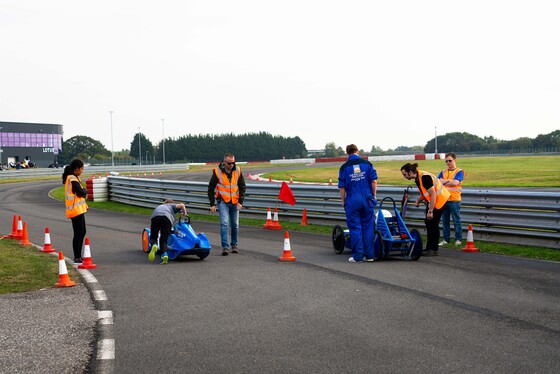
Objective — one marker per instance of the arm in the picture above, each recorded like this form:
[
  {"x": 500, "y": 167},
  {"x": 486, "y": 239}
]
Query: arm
[
  {"x": 432, "y": 203},
  {"x": 181, "y": 208},
  {"x": 78, "y": 189},
  {"x": 242, "y": 188},
  {"x": 342, "y": 194},
  {"x": 212, "y": 193}
]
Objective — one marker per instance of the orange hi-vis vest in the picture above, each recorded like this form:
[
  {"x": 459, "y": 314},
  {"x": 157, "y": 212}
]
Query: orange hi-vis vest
[
  {"x": 442, "y": 195},
  {"x": 75, "y": 205},
  {"x": 455, "y": 191},
  {"x": 228, "y": 190}
]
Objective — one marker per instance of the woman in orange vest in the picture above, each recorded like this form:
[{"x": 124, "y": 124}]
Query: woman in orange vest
[
  {"x": 435, "y": 195},
  {"x": 75, "y": 197}
]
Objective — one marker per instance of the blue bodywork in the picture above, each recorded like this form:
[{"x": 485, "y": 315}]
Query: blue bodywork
[{"x": 183, "y": 241}]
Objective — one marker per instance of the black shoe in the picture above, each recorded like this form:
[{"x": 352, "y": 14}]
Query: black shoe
[
  {"x": 430, "y": 252},
  {"x": 78, "y": 260},
  {"x": 225, "y": 251},
  {"x": 234, "y": 249}
]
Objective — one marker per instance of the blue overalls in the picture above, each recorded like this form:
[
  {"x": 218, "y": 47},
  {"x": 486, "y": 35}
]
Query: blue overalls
[{"x": 356, "y": 176}]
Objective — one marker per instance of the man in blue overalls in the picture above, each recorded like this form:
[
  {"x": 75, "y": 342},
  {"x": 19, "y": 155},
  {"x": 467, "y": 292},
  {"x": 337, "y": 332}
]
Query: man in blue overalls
[{"x": 357, "y": 182}]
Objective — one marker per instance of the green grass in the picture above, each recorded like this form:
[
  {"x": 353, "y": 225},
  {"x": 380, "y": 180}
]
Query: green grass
[
  {"x": 25, "y": 268},
  {"x": 503, "y": 171}
]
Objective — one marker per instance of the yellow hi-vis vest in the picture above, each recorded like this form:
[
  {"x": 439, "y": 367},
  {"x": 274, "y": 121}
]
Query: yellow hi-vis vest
[
  {"x": 228, "y": 190},
  {"x": 455, "y": 191},
  {"x": 75, "y": 205},
  {"x": 442, "y": 195}
]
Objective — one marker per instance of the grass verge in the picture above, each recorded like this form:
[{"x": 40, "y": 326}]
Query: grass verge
[{"x": 25, "y": 268}]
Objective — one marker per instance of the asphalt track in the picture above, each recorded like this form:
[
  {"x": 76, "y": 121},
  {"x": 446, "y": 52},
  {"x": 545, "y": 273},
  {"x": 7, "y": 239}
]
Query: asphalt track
[{"x": 249, "y": 313}]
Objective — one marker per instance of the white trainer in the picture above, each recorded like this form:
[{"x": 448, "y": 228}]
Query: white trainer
[
  {"x": 458, "y": 243},
  {"x": 442, "y": 243}
]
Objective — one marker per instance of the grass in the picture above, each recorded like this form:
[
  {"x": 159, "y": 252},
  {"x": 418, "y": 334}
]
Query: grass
[{"x": 24, "y": 268}]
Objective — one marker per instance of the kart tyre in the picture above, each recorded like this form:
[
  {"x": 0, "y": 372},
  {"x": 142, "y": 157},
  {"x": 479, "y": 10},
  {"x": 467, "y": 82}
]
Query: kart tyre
[
  {"x": 416, "y": 251},
  {"x": 146, "y": 240},
  {"x": 338, "y": 239},
  {"x": 378, "y": 246}
]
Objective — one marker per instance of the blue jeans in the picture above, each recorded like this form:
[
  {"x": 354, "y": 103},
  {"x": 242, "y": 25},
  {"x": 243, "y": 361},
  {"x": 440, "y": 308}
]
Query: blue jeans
[
  {"x": 229, "y": 220},
  {"x": 452, "y": 210}
]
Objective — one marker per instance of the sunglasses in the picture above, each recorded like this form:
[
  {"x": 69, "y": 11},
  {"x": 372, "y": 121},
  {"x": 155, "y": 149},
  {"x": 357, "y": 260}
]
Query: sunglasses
[
  {"x": 229, "y": 163},
  {"x": 448, "y": 160}
]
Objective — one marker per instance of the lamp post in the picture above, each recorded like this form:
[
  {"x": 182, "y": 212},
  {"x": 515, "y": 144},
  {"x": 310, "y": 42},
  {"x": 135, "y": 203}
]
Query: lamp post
[
  {"x": 1, "y": 164},
  {"x": 139, "y": 146},
  {"x": 436, "y": 142},
  {"x": 163, "y": 139},
  {"x": 146, "y": 158},
  {"x": 112, "y": 153}
]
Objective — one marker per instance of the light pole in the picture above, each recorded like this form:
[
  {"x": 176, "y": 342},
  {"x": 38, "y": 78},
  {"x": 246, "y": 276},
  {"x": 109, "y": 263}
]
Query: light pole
[
  {"x": 146, "y": 158},
  {"x": 112, "y": 153},
  {"x": 139, "y": 146},
  {"x": 163, "y": 139},
  {"x": 1, "y": 164},
  {"x": 436, "y": 143}
]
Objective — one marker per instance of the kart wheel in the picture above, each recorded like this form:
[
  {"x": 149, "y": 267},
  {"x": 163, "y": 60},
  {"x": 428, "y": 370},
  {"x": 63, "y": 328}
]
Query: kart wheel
[
  {"x": 378, "y": 246},
  {"x": 145, "y": 241},
  {"x": 417, "y": 248},
  {"x": 338, "y": 239}
]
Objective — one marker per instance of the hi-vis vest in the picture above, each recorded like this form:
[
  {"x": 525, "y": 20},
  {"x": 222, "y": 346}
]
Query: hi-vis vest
[
  {"x": 228, "y": 190},
  {"x": 455, "y": 191},
  {"x": 75, "y": 205},
  {"x": 442, "y": 195}
]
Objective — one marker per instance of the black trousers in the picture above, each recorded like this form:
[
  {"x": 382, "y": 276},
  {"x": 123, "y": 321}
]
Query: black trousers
[
  {"x": 79, "y": 227},
  {"x": 432, "y": 228},
  {"x": 160, "y": 225}
]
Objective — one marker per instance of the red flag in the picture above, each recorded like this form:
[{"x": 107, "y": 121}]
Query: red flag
[{"x": 286, "y": 194}]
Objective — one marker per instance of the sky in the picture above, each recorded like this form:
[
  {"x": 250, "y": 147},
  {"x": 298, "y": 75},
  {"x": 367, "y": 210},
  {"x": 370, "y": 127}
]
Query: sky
[{"x": 368, "y": 72}]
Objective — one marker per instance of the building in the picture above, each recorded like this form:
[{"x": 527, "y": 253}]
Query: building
[{"x": 39, "y": 143}]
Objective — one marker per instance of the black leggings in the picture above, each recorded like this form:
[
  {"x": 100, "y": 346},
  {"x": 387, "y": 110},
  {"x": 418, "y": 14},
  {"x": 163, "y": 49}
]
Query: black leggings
[
  {"x": 160, "y": 225},
  {"x": 79, "y": 226}
]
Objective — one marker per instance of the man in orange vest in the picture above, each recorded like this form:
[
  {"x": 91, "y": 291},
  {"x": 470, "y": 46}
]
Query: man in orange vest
[
  {"x": 452, "y": 179},
  {"x": 435, "y": 195},
  {"x": 226, "y": 192}
]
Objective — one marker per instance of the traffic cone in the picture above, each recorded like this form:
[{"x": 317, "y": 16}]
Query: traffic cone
[
  {"x": 268, "y": 223},
  {"x": 14, "y": 229},
  {"x": 330, "y": 181},
  {"x": 287, "y": 254},
  {"x": 470, "y": 242},
  {"x": 87, "y": 263},
  {"x": 275, "y": 224},
  {"x": 304, "y": 217},
  {"x": 63, "y": 278},
  {"x": 19, "y": 231},
  {"x": 47, "y": 247},
  {"x": 270, "y": 178},
  {"x": 291, "y": 180},
  {"x": 25, "y": 238}
]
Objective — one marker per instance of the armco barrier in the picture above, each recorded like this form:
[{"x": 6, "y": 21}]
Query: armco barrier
[{"x": 516, "y": 217}]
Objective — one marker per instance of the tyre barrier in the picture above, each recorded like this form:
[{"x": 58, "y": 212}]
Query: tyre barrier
[{"x": 98, "y": 189}]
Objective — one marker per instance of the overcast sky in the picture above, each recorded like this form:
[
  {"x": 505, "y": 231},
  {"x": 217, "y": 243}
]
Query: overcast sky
[{"x": 384, "y": 73}]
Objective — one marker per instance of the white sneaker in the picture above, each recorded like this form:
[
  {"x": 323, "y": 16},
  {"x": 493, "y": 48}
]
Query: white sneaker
[
  {"x": 442, "y": 243},
  {"x": 351, "y": 259},
  {"x": 368, "y": 259},
  {"x": 458, "y": 243}
]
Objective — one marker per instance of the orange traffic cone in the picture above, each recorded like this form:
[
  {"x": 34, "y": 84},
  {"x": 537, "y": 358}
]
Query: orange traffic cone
[
  {"x": 87, "y": 263},
  {"x": 19, "y": 231},
  {"x": 63, "y": 278},
  {"x": 287, "y": 254},
  {"x": 25, "y": 238},
  {"x": 14, "y": 229},
  {"x": 270, "y": 178},
  {"x": 304, "y": 217},
  {"x": 291, "y": 180},
  {"x": 268, "y": 223},
  {"x": 330, "y": 181},
  {"x": 47, "y": 247},
  {"x": 470, "y": 242},
  {"x": 275, "y": 224}
]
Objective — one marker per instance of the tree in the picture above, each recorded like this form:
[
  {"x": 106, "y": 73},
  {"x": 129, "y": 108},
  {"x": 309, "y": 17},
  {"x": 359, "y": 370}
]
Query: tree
[
  {"x": 145, "y": 146},
  {"x": 82, "y": 147},
  {"x": 330, "y": 150}
]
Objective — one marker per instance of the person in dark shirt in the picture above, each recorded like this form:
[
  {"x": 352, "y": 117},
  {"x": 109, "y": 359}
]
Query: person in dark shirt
[{"x": 76, "y": 207}]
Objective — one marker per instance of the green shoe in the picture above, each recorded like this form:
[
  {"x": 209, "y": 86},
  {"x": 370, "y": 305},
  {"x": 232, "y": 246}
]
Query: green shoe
[
  {"x": 152, "y": 254},
  {"x": 164, "y": 258}
]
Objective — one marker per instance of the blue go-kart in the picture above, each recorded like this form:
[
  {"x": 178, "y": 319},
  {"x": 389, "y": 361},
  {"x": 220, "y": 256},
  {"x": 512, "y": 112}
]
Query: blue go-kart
[
  {"x": 183, "y": 240},
  {"x": 391, "y": 236}
]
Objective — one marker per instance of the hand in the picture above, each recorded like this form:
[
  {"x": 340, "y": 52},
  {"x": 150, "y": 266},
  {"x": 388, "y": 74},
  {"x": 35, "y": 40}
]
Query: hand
[
  {"x": 239, "y": 206},
  {"x": 213, "y": 208},
  {"x": 374, "y": 201},
  {"x": 429, "y": 215}
]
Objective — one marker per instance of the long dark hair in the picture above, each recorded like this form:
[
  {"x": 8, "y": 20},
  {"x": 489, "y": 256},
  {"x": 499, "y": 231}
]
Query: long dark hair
[
  {"x": 69, "y": 169},
  {"x": 408, "y": 167}
]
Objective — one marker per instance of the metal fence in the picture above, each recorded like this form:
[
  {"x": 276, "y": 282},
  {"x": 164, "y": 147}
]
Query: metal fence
[{"x": 516, "y": 217}]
